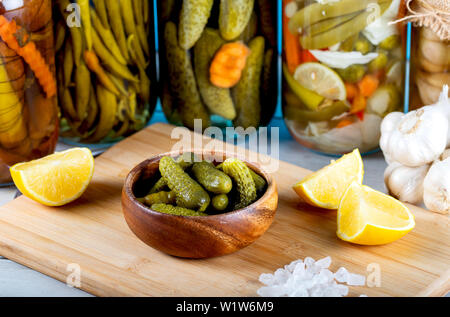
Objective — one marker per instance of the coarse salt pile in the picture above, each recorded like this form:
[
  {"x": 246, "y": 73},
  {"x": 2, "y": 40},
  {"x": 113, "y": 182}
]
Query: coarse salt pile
[{"x": 309, "y": 278}]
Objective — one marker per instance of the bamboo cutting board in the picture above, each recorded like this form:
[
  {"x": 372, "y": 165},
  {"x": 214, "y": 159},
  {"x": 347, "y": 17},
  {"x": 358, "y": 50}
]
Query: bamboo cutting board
[{"x": 92, "y": 233}]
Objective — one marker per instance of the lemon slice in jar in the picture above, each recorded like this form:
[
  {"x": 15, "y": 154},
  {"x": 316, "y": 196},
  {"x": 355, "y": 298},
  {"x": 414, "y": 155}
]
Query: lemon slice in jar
[{"x": 322, "y": 80}]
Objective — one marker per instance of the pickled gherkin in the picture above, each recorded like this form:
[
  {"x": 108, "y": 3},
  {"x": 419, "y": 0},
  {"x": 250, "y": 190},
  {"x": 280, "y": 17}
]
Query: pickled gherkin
[
  {"x": 189, "y": 193},
  {"x": 186, "y": 160},
  {"x": 182, "y": 80},
  {"x": 250, "y": 30},
  {"x": 193, "y": 18},
  {"x": 218, "y": 62},
  {"x": 159, "y": 186},
  {"x": 218, "y": 100},
  {"x": 260, "y": 182},
  {"x": 234, "y": 17},
  {"x": 247, "y": 92},
  {"x": 246, "y": 187},
  {"x": 159, "y": 198},
  {"x": 176, "y": 211},
  {"x": 211, "y": 178},
  {"x": 220, "y": 202},
  {"x": 201, "y": 188}
]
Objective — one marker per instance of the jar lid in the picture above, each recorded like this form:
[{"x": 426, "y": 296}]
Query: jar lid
[{"x": 434, "y": 14}]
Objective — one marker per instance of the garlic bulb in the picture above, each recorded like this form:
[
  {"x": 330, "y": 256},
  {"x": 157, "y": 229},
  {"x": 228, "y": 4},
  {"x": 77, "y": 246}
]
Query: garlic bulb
[
  {"x": 443, "y": 105},
  {"x": 416, "y": 138},
  {"x": 445, "y": 155},
  {"x": 436, "y": 187},
  {"x": 405, "y": 183}
]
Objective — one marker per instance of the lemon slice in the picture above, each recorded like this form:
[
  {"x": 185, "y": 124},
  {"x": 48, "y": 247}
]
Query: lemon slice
[
  {"x": 368, "y": 217},
  {"x": 322, "y": 80},
  {"x": 57, "y": 179},
  {"x": 326, "y": 187}
]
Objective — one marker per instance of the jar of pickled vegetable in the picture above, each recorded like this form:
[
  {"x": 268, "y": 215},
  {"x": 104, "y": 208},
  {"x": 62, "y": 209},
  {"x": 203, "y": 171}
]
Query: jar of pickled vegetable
[
  {"x": 105, "y": 52},
  {"x": 431, "y": 47},
  {"x": 218, "y": 62},
  {"x": 28, "y": 107},
  {"x": 343, "y": 71}
]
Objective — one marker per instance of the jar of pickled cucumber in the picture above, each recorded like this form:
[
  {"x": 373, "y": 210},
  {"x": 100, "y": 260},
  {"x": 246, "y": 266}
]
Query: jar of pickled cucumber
[
  {"x": 218, "y": 62},
  {"x": 105, "y": 53},
  {"x": 28, "y": 105},
  {"x": 343, "y": 71}
]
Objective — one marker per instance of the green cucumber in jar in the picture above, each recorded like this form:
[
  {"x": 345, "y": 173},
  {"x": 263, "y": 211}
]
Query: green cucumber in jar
[
  {"x": 247, "y": 91},
  {"x": 183, "y": 84},
  {"x": 194, "y": 15},
  {"x": 218, "y": 100},
  {"x": 234, "y": 17}
]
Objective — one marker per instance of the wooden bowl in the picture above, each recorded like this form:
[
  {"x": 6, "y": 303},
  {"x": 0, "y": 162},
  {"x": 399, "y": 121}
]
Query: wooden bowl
[{"x": 197, "y": 236}]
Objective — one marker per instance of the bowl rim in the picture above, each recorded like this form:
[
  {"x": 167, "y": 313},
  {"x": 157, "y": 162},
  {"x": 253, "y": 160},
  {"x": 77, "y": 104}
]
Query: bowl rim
[{"x": 129, "y": 181}]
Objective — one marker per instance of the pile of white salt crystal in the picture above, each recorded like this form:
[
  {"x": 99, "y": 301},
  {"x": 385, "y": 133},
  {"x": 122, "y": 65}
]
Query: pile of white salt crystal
[{"x": 309, "y": 278}]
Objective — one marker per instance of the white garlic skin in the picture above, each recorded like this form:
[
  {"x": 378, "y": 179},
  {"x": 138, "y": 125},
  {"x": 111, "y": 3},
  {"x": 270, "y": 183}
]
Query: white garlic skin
[
  {"x": 436, "y": 186},
  {"x": 405, "y": 183},
  {"x": 416, "y": 138},
  {"x": 443, "y": 106}
]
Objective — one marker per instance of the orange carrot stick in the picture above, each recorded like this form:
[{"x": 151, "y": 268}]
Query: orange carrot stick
[
  {"x": 352, "y": 91},
  {"x": 359, "y": 104},
  {"x": 292, "y": 48},
  {"x": 228, "y": 63},
  {"x": 344, "y": 123},
  {"x": 368, "y": 85},
  {"x": 29, "y": 52}
]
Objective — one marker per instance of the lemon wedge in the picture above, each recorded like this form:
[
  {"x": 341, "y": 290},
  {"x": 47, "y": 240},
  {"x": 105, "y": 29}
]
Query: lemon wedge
[
  {"x": 326, "y": 187},
  {"x": 57, "y": 179},
  {"x": 368, "y": 217}
]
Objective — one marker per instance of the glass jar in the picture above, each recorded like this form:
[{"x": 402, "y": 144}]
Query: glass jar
[
  {"x": 343, "y": 71},
  {"x": 28, "y": 107},
  {"x": 218, "y": 62},
  {"x": 431, "y": 67},
  {"x": 106, "y": 69}
]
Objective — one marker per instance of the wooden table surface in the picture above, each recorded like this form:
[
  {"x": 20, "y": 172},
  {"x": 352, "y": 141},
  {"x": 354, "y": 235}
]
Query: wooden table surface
[{"x": 17, "y": 280}]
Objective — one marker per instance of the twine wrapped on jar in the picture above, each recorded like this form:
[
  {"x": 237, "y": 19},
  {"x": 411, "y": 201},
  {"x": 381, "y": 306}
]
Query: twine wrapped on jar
[
  {"x": 433, "y": 14},
  {"x": 432, "y": 51}
]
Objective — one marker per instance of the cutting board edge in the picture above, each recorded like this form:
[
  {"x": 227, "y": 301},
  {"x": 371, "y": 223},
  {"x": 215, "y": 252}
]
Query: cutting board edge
[{"x": 434, "y": 289}]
